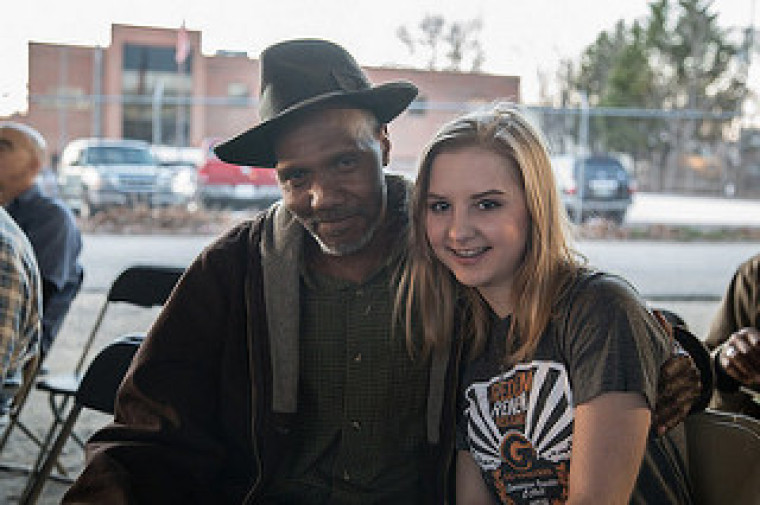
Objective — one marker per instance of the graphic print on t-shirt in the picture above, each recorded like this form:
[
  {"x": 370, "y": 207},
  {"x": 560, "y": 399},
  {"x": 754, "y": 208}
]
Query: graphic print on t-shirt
[{"x": 519, "y": 426}]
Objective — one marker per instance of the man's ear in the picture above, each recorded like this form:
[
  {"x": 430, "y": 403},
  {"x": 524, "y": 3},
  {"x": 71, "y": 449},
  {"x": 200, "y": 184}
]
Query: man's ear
[
  {"x": 385, "y": 142},
  {"x": 35, "y": 165}
]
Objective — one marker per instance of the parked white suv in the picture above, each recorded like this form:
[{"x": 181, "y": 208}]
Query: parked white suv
[{"x": 95, "y": 174}]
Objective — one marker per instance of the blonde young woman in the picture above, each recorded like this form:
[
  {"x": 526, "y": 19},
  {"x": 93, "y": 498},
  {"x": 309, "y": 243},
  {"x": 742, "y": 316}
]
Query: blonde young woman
[{"x": 556, "y": 397}]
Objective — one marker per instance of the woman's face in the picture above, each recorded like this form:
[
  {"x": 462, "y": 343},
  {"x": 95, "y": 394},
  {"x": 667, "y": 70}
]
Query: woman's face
[{"x": 477, "y": 220}]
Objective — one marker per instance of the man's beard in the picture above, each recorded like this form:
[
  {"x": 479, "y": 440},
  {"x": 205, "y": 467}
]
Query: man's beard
[{"x": 361, "y": 243}]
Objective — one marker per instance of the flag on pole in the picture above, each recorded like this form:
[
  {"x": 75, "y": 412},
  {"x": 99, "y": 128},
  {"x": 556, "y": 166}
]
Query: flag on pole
[{"x": 183, "y": 45}]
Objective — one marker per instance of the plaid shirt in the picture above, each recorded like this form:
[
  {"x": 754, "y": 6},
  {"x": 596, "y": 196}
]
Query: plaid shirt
[
  {"x": 20, "y": 298},
  {"x": 361, "y": 433}
]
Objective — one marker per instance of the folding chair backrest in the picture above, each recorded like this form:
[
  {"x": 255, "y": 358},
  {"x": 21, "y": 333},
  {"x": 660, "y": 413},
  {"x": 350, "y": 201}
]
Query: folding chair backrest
[
  {"x": 139, "y": 285},
  {"x": 724, "y": 458},
  {"x": 144, "y": 285},
  {"x": 98, "y": 388}
]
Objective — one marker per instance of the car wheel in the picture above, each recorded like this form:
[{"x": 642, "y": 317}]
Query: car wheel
[
  {"x": 87, "y": 209},
  {"x": 617, "y": 216},
  {"x": 572, "y": 214}
]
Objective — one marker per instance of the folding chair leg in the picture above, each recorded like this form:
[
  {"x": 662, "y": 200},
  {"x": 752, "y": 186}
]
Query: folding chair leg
[
  {"x": 14, "y": 415},
  {"x": 44, "y": 445},
  {"x": 14, "y": 467},
  {"x": 14, "y": 422},
  {"x": 26, "y": 431},
  {"x": 40, "y": 473}
]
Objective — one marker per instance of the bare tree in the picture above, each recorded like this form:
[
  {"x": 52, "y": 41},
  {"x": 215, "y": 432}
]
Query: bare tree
[
  {"x": 462, "y": 40},
  {"x": 459, "y": 38}
]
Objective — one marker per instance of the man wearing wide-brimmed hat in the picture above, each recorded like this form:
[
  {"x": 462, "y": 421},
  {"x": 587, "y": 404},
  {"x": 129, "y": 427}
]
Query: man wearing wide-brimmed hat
[{"x": 273, "y": 374}]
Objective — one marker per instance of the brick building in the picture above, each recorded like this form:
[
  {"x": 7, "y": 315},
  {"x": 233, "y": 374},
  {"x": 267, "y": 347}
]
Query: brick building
[{"x": 134, "y": 88}]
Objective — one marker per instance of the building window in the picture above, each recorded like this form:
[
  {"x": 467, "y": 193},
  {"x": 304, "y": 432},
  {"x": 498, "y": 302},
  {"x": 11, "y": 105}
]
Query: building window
[
  {"x": 238, "y": 90},
  {"x": 156, "y": 95},
  {"x": 238, "y": 94}
]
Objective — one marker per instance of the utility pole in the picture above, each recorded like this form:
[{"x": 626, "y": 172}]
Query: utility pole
[
  {"x": 158, "y": 98},
  {"x": 181, "y": 106},
  {"x": 583, "y": 150},
  {"x": 183, "y": 52},
  {"x": 62, "y": 98},
  {"x": 97, "y": 92}
]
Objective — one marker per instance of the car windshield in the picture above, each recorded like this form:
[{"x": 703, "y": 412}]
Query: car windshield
[
  {"x": 602, "y": 168},
  {"x": 118, "y": 155}
]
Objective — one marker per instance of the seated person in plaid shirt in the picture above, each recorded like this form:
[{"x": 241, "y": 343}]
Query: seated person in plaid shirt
[{"x": 20, "y": 304}]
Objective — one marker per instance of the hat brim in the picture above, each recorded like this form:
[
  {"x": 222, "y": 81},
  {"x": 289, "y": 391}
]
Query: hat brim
[{"x": 255, "y": 146}]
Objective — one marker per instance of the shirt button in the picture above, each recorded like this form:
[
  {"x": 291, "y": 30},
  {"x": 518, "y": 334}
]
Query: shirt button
[
  {"x": 356, "y": 425},
  {"x": 358, "y": 357}
]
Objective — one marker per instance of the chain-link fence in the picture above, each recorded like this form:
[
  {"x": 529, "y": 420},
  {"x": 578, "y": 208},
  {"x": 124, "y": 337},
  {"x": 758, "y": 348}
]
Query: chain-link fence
[{"x": 679, "y": 150}]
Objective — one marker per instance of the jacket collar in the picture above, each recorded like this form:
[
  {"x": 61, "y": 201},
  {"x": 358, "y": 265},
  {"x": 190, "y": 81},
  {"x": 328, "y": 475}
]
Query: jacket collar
[{"x": 281, "y": 249}]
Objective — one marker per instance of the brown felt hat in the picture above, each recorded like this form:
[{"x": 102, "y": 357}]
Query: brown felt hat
[{"x": 297, "y": 75}]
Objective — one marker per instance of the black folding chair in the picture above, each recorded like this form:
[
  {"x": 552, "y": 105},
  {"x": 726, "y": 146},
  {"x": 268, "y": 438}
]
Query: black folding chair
[
  {"x": 140, "y": 285},
  {"x": 96, "y": 391},
  {"x": 144, "y": 286}
]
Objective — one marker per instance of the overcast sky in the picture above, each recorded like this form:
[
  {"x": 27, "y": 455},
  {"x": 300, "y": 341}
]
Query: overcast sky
[{"x": 519, "y": 38}]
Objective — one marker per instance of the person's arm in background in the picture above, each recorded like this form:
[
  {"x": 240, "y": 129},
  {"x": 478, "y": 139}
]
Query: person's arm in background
[
  {"x": 57, "y": 243},
  {"x": 733, "y": 337},
  {"x": 740, "y": 357}
]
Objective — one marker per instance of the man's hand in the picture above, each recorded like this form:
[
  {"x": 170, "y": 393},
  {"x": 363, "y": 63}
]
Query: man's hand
[
  {"x": 740, "y": 356},
  {"x": 679, "y": 385}
]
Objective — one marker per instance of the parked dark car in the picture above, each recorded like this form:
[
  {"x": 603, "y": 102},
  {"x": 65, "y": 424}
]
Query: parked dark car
[{"x": 593, "y": 186}]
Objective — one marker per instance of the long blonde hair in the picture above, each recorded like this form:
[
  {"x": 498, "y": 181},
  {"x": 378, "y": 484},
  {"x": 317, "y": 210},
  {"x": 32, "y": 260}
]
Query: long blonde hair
[{"x": 429, "y": 297}]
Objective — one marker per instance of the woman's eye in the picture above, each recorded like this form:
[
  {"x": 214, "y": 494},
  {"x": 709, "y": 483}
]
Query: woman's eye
[
  {"x": 488, "y": 204},
  {"x": 438, "y": 206}
]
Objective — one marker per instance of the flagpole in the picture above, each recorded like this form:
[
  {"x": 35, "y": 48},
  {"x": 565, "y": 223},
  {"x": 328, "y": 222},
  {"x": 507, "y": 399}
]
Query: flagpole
[
  {"x": 180, "y": 138},
  {"x": 181, "y": 56}
]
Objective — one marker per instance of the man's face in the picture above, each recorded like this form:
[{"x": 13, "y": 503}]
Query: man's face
[
  {"x": 18, "y": 163},
  {"x": 330, "y": 168}
]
